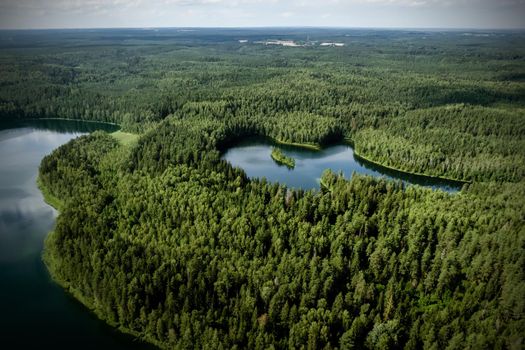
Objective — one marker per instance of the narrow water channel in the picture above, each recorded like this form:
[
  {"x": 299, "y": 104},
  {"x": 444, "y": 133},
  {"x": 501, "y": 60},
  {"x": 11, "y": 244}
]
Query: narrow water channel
[{"x": 254, "y": 156}]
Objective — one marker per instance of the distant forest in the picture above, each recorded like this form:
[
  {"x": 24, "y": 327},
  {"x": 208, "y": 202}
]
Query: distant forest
[{"x": 167, "y": 241}]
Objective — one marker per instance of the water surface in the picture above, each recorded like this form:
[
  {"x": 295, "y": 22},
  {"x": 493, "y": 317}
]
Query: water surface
[
  {"x": 35, "y": 313},
  {"x": 254, "y": 156}
]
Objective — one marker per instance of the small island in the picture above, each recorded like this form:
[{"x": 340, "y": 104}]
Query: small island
[{"x": 280, "y": 158}]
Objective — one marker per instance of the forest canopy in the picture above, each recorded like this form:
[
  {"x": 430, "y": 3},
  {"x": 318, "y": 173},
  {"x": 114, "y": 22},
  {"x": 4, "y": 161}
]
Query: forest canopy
[{"x": 167, "y": 241}]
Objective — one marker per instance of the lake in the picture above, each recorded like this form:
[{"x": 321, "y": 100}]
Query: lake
[
  {"x": 36, "y": 312},
  {"x": 253, "y": 154}
]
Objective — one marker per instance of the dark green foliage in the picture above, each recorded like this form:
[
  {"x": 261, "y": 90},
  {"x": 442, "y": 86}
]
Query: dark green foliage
[
  {"x": 189, "y": 253},
  {"x": 75, "y": 167},
  {"x": 463, "y": 142},
  {"x": 439, "y": 103},
  {"x": 281, "y": 158},
  {"x": 168, "y": 241}
]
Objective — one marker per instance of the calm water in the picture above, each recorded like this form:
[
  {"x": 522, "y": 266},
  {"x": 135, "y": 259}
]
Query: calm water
[
  {"x": 34, "y": 311},
  {"x": 37, "y": 313},
  {"x": 253, "y": 155}
]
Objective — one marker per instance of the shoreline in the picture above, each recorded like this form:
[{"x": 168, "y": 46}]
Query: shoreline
[
  {"x": 350, "y": 143},
  {"x": 49, "y": 198},
  {"x": 50, "y": 260},
  {"x": 75, "y": 120},
  {"x": 47, "y": 259},
  {"x": 310, "y": 146},
  {"x": 282, "y": 159},
  {"x": 361, "y": 157}
]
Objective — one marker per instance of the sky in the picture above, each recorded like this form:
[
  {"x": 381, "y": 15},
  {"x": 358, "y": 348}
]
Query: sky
[{"x": 496, "y": 14}]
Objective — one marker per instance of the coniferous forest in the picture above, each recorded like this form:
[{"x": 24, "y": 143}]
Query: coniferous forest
[{"x": 164, "y": 239}]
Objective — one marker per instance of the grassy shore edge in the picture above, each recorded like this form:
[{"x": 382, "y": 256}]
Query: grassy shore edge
[
  {"x": 49, "y": 198},
  {"x": 310, "y": 146},
  {"x": 125, "y": 138}
]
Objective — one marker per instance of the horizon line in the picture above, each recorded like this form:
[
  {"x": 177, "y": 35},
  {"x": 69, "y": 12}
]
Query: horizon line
[{"x": 272, "y": 27}]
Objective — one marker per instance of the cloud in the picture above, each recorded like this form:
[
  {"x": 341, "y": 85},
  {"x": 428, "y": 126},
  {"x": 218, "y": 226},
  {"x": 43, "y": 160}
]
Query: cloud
[
  {"x": 66, "y": 5},
  {"x": 69, "y": 5},
  {"x": 352, "y": 13}
]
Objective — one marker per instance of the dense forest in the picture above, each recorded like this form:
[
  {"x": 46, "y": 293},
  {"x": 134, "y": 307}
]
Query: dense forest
[
  {"x": 444, "y": 104},
  {"x": 167, "y": 241}
]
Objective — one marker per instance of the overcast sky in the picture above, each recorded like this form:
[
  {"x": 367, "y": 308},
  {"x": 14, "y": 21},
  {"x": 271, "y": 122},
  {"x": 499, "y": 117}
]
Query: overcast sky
[{"x": 253, "y": 13}]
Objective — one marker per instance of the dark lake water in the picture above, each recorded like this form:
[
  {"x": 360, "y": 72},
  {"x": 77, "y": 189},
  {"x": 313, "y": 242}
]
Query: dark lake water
[
  {"x": 35, "y": 313},
  {"x": 253, "y": 155}
]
